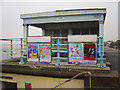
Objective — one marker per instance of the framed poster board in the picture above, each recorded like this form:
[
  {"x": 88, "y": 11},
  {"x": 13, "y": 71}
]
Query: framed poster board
[
  {"x": 32, "y": 52},
  {"x": 90, "y": 53},
  {"x": 75, "y": 53},
  {"x": 44, "y": 52}
]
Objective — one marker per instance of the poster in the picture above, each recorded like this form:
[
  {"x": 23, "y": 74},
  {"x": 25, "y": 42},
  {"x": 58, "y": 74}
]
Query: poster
[
  {"x": 75, "y": 53},
  {"x": 44, "y": 52},
  {"x": 32, "y": 52},
  {"x": 89, "y": 52}
]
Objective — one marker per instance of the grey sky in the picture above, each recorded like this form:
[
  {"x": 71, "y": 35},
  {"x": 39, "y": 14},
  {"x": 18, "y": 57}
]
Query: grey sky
[{"x": 12, "y": 24}]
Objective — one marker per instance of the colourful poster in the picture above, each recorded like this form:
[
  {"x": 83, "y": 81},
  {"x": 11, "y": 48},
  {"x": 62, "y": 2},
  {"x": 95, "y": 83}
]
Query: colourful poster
[
  {"x": 44, "y": 53},
  {"x": 32, "y": 52},
  {"x": 90, "y": 53},
  {"x": 75, "y": 53}
]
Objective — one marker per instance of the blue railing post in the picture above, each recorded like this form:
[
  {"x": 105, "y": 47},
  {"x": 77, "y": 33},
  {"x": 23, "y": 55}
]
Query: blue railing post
[
  {"x": 101, "y": 22},
  {"x": 101, "y": 52},
  {"x": 11, "y": 50},
  {"x": 21, "y": 61},
  {"x": 96, "y": 50},
  {"x": 58, "y": 52}
]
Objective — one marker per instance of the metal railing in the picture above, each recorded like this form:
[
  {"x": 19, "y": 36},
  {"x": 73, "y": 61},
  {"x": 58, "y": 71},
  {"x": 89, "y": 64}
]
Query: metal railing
[
  {"x": 19, "y": 51},
  {"x": 58, "y": 49},
  {"x": 12, "y": 48}
]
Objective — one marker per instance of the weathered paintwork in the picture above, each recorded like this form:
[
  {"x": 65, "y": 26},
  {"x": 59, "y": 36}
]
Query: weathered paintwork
[
  {"x": 65, "y": 12},
  {"x": 75, "y": 15},
  {"x": 41, "y": 82}
]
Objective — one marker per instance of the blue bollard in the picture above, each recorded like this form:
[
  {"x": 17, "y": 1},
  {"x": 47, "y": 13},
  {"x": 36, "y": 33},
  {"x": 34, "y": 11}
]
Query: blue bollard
[
  {"x": 11, "y": 50},
  {"x": 58, "y": 52},
  {"x": 21, "y": 61}
]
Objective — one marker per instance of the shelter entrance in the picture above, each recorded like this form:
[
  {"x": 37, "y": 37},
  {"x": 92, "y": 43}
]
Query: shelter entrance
[
  {"x": 63, "y": 42},
  {"x": 63, "y": 30}
]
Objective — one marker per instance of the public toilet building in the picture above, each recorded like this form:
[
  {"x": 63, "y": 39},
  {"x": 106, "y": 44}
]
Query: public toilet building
[{"x": 71, "y": 34}]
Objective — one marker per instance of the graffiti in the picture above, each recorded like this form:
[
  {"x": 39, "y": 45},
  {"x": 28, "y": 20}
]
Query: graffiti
[
  {"x": 32, "y": 52},
  {"x": 75, "y": 52},
  {"x": 44, "y": 52}
]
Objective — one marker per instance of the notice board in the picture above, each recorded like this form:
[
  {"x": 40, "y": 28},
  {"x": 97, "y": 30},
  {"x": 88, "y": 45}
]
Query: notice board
[
  {"x": 44, "y": 51},
  {"x": 90, "y": 52},
  {"x": 39, "y": 52},
  {"x": 32, "y": 52},
  {"x": 75, "y": 53},
  {"x": 82, "y": 53}
]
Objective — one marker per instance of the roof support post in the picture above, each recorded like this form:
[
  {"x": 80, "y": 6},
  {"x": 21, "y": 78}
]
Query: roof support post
[
  {"x": 25, "y": 35},
  {"x": 80, "y": 31},
  {"x": 89, "y": 31},
  {"x": 21, "y": 60},
  {"x": 69, "y": 31},
  {"x": 11, "y": 50},
  {"x": 43, "y": 31},
  {"x": 101, "y": 22},
  {"x": 58, "y": 52}
]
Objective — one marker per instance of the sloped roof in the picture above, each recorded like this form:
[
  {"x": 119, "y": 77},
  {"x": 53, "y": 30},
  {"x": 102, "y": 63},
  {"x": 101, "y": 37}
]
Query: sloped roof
[{"x": 65, "y": 13}]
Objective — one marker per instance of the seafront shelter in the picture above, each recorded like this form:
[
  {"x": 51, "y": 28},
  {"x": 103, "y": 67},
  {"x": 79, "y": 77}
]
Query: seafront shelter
[
  {"x": 69, "y": 54},
  {"x": 83, "y": 25}
]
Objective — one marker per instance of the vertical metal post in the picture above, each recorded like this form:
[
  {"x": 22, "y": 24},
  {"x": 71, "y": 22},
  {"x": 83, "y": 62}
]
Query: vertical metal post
[
  {"x": 89, "y": 31},
  {"x": 82, "y": 52},
  {"x": 11, "y": 50},
  {"x": 101, "y": 42},
  {"x": 52, "y": 33},
  {"x": 25, "y": 35},
  {"x": 70, "y": 32},
  {"x": 43, "y": 31},
  {"x": 96, "y": 50},
  {"x": 21, "y": 61},
  {"x": 80, "y": 31},
  {"x": 53, "y": 40},
  {"x": 60, "y": 35},
  {"x": 58, "y": 52},
  {"x": 101, "y": 52}
]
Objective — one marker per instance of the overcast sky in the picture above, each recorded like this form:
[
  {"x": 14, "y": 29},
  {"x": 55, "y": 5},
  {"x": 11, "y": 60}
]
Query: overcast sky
[{"x": 11, "y": 24}]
